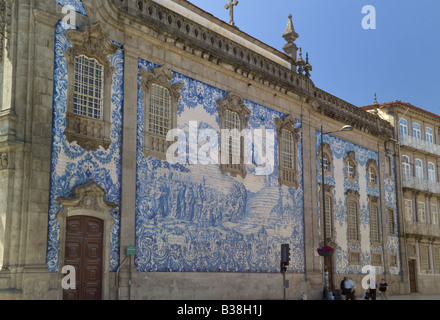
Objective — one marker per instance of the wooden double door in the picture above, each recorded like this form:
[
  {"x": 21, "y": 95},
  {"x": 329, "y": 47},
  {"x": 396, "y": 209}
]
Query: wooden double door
[{"x": 84, "y": 251}]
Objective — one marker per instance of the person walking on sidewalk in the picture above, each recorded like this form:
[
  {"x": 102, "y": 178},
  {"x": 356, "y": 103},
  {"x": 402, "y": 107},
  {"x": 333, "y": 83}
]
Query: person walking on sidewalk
[
  {"x": 383, "y": 289},
  {"x": 350, "y": 287}
]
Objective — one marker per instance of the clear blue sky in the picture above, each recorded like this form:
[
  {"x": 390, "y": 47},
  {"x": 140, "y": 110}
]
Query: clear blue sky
[{"x": 399, "y": 60}]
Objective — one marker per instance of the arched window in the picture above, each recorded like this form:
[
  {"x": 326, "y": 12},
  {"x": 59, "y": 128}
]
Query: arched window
[
  {"x": 403, "y": 127},
  {"x": 406, "y": 166},
  {"x": 419, "y": 169}
]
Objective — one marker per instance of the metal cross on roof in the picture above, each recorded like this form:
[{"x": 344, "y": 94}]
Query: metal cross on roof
[{"x": 230, "y": 6}]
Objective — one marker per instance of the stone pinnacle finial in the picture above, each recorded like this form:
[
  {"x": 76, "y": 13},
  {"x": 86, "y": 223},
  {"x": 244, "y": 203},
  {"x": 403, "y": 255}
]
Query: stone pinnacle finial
[
  {"x": 290, "y": 36},
  {"x": 375, "y": 100}
]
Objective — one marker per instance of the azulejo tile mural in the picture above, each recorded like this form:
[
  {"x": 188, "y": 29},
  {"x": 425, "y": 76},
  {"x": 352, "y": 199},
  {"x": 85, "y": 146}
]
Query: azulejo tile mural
[
  {"x": 77, "y": 5},
  {"x": 71, "y": 165},
  {"x": 193, "y": 218},
  {"x": 339, "y": 150}
]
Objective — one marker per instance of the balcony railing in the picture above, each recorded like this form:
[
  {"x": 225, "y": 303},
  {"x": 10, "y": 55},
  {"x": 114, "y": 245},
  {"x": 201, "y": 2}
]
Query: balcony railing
[
  {"x": 422, "y": 229},
  {"x": 421, "y": 184},
  {"x": 420, "y": 144}
]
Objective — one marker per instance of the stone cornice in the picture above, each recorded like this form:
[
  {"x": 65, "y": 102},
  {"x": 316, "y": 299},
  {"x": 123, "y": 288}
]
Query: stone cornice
[{"x": 180, "y": 31}]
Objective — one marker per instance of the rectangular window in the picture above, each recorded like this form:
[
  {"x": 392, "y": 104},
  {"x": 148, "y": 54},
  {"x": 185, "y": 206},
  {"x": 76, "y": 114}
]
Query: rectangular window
[
  {"x": 429, "y": 135},
  {"x": 424, "y": 258},
  {"x": 88, "y": 88},
  {"x": 160, "y": 110},
  {"x": 353, "y": 234},
  {"x": 391, "y": 222},
  {"x": 328, "y": 216},
  {"x": 354, "y": 258},
  {"x": 374, "y": 224},
  {"x": 421, "y": 212},
  {"x": 409, "y": 210},
  {"x": 436, "y": 259},
  {"x": 388, "y": 165},
  {"x": 376, "y": 259},
  {"x": 288, "y": 149},
  {"x": 434, "y": 215}
]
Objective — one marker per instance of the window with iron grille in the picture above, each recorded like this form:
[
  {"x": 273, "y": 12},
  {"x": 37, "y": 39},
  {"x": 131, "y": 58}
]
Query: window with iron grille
[
  {"x": 328, "y": 216},
  {"x": 160, "y": 110},
  {"x": 88, "y": 88},
  {"x": 391, "y": 222},
  {"x": 374, "y": 224},
  {"x": 353, "y": 233},
  {"x": 288, "y": 149}
]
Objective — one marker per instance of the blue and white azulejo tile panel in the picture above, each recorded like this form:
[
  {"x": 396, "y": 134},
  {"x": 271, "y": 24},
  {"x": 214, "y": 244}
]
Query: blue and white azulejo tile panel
[
  {"x": 72, "y": 166},
  {"x": 340, "y": 148},
  {"x": 76, "y": 5},
  {"x": 193, "y": 218}
]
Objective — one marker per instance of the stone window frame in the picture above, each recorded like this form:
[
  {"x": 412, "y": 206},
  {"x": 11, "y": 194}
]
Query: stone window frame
[
  {"x": 373, "y": 202},
  {"x": 423, "y": 262},
  {"x": 378, "y": 256},
  {"x": 93, "y": 43},
  {"x": 328, "y": 193},
  {"x": 233, "y": 102},
  {"x": 288, "y": 176},
  {"x": 88, "y": 199},
  {"x": 391, "y": 221},
  {"x": 351, "y": 158},
  {"x": 157, "y": 145},
  {"x": 394, "y": 261},
  {"x": 372, "y": 165},
  {"x": 353, "y": 196},
  {"x": 328, "y": 172},
  {"x": 354, "y": 253},
  {"x": 388, "y": 166}
]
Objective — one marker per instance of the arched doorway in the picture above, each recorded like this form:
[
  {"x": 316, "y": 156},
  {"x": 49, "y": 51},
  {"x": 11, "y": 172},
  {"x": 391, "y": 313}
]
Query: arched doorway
[{"x": 84, "y": 252}]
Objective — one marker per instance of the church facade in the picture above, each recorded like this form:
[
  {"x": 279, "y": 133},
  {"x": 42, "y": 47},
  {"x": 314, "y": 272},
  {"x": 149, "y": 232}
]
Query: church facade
[{"x": 161, "y": 153}]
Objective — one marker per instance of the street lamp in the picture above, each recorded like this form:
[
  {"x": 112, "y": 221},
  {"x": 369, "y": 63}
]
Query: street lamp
[{"x": 345, "y": 128}]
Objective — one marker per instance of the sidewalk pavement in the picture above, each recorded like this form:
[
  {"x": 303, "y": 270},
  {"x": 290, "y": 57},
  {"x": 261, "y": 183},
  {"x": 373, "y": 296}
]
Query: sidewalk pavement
[{"x": 414, "y": 296}]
